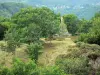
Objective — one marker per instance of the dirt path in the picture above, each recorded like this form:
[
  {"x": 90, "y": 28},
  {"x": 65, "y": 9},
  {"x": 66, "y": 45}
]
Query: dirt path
[{"x": 57, "y": 48}]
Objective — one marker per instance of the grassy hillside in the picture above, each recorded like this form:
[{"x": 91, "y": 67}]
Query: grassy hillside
[
  {"x": 53, "y": 49},
  {"x": 50, "y": 52}
]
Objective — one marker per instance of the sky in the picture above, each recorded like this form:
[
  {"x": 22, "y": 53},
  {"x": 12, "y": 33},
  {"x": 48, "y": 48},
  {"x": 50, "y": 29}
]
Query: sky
[{"x": 69, "y": 2}]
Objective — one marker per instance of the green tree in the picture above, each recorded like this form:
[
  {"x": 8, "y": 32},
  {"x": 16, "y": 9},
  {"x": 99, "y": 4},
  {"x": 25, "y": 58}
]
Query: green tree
[
  {"x": 34, "y": 51},
  {"x": 84, "y": 26},
  {"x": 5, "y": 24},
  {"x": 93, "y": 36},
  {"x": 71, "y": 22},
  {"x": 46, "y": 19},
  {"x": 97, "y": 15},
  {"x": 34, "y": 23}
]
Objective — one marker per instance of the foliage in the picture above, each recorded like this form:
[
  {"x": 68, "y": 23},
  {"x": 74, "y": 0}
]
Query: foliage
[
  {"x": 97, "y": 15},
  {"x": 71, "y": 22},
  {"x": 5, "y": 24},
  {"x": 33, "y": 33},
  {"x": 93, "y": 36},
  {"x": 11, "y": 44},
  {"x": 84, "y": 26},
  {"x": 31, "y": 24},
  {"x": 34, "y": 51},
  {"x": 23, "y": 35},
  {"x": 40, "y": 22},
  {"x": 30, "y": 68},
  {"x": 5, "y": 71},
  {"x": 10, "y": 8},
  {"x": 77, "y": 61},
  {"x": 75, "y": 66},
  {"x": 46, "y": 19},
  {"x": 21, "y": 68},
  {"x": 53, "y": 70},
  {"x": 2, "y": 31}
]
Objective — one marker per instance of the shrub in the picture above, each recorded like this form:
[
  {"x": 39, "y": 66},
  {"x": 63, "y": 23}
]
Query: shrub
[
  {"x": 34, "y": 51},
  {"x": 93, "y": 36},
  {"x": 11, "y": 44},
  {"x": 30, "y": 68},
  {"x": 76, "y": 62},
  {"x": 53, "y": 70},
  {"x": 21, "y": 68},
  {"x": 74, "y": 66},
  {"x": 5, "y": 71}
]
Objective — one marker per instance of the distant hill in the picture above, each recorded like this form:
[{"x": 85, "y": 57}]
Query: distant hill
[
  {"x": 8, "y": 9},
  {"x": 18, "y": 1},
  {"x": 83, "y": 11},
  {"x": 66, "y": 2},
  {"x": 82, "y": 8}
]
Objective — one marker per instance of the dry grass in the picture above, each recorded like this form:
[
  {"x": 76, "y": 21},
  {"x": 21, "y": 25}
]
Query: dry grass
[
  {"x": 74, "y": 38},
  {"x": 6, "y": 57},
  {"x": 53, "y": 50}
]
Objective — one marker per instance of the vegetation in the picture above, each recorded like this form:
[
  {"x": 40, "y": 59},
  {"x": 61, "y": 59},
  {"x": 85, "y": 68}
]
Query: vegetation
[
  {"x": 77, "y": 61},
  {"x": 30, "y": 68},
  {"x": 71, "y": 22},
  {"x": 75, "y": 25},
  {"x": 93, "y": 35},
  {"x": 32, "y": 26},
  {"x": 10, "y": 8},
  {"x": 34, "y": 51}
]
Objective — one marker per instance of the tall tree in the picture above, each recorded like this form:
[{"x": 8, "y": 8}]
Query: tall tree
[
  {"x": 71, "y": 23},
  {"x": 33, "y": 23},
  {"x": 93, "y": 36}
]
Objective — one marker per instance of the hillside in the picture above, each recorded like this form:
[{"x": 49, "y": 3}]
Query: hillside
[
  {"x": 40, "y": 41},
  {"x": 78, "y": 7},
  {"x": 8, "y": 9},
  {"x": 81, "y": 11},
  {"x": 53, "y": 50},
  {"x": 48, "y": 57}
]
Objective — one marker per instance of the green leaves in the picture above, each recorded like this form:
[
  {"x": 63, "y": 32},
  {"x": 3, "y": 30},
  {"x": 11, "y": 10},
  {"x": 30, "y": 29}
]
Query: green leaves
[
  {"x": 43, "y": 17},
  {"x": 21, "y": 68},
  {"x": 30, "y": 68},
  {"x": 93, "y": 35},
  {"x": 34, "y": 51},
  {"x": 75, "y": 66},
  {"x": 53, "y": 70},
  {"x": 71, "y": 23}
]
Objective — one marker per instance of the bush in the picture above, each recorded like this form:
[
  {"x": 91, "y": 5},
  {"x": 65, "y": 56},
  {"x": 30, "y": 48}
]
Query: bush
[
  {"x": 30, "y": 68},
  {"x": 93, "y": 36},
  {"x": 53, "y": 70},
  {"x": 34, "y": 51},
  {"x": 5, "y": 71},
  {"x": 76, "y": 62},
  {"x": 21, "y": 68},
  {"x": 11, "y": 43},
  {"x": 74, "y": 66}
]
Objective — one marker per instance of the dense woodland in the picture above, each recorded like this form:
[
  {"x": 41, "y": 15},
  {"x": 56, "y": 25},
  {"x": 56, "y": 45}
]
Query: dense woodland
[{"x": 29, "y": 25}]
